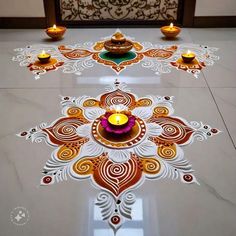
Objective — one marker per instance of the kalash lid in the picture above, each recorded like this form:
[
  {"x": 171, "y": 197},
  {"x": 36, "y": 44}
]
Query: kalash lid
[{"x": 118, "y": 37}]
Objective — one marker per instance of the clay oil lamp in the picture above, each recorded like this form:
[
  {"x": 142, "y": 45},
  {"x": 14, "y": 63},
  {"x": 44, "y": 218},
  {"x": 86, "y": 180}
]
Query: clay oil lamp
[
  {"x": 188, "y": 56},
  {"x": 118, "y": 44},
  {"x": 44, "y": 57},
  {"x": 55, "y": 32},
  {"x": 117, "y": 122},
  {"x": 170, "y": 31}
]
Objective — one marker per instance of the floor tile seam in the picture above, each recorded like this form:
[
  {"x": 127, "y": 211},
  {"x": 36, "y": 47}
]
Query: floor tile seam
[{"x": 226, "y": 127}]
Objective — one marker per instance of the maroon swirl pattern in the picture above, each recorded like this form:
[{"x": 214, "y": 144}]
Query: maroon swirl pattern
[
  {"x": 116, "y": 98},
  {"x": 64, "y": 131},
  {"x": 117, "y": 177},
  {"x": 174, "y": 131},
  {"x": 74, "y": 54},
  {"x": 158, "y": 53}
]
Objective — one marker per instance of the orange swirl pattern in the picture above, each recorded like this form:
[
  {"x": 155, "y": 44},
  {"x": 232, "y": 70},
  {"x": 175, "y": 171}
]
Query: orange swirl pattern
[
  {"x": 77, "y": 113},
  {"x": 91, "y": 103},
  {"x": 167, "y": 152},
  {"x": 69, "y": 151},
  {"x": 150, "y": 166},
  {"x": 84, "y": 166},
  {"x": 160, "y": 111},
  {"x": 158, "y": 53},
  {"x": 117, "y": 97},
  {"x": 64, "y": 130},
  {"x": 174, "y": 131},
  {"x": 74, "y": 54},
  {"x": 115, "y": 177},
  {"x": 144, "y": 102}
]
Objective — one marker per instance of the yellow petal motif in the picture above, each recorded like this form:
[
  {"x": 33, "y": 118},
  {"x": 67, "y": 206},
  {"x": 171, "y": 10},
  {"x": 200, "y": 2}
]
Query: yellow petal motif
[
  {"x": 83, "y": 167},
  {"x": 91, "y": 103},
  {"x": 67, "y": 152},
  {"x": 161, "y": 111},
  {"x": 150, "y": 165},
  {"x": 167, "y": 152}
]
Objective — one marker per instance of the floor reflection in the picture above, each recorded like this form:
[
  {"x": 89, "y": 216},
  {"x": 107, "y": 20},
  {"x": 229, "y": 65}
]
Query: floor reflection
[
  {"x": 123, "y": 79},
  {"x": 135, "y": 227},
  {"x": 121, "y": 232}
]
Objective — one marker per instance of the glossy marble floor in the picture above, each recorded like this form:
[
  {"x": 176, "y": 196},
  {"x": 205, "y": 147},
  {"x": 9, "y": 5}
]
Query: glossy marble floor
[{"x": 163, "y": 207}]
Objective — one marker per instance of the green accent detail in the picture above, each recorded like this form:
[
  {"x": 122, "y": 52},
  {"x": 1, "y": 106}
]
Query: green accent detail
[{"x": 117, "y": 58}]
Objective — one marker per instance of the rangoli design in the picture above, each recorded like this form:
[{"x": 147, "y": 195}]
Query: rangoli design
[
  {"x": 118, "y": 164},
  {"x": 74, "y": 59}
]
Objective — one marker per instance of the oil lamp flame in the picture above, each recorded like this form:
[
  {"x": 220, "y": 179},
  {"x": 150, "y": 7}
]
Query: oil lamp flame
[
  {"x": 118, "y": 120},
  {"x": 171, "y": 25}
]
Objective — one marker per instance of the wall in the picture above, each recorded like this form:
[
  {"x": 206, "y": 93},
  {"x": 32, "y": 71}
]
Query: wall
[
  {"x": 215, "y": 8},
  {"x": 34, "y": 8},
  {"x": 21, "y": 8}
]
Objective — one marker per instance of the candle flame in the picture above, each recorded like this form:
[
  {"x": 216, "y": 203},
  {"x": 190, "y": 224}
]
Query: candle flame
[
  {"x": 117, "y": 120},
  {"x": 43, "y": 52},
  {"x": 188, "y": 52},
  {"x": 171, "y": 25},
  {"x": 54, "y": 27}
]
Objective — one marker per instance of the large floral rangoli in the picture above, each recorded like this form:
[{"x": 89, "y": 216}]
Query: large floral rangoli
[
  {"x": 118, "y": 164},
  {"x": 76, "y": 58}
]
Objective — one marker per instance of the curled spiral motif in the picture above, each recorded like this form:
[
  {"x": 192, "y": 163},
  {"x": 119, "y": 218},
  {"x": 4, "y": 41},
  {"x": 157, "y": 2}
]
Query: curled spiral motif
[
  {"x": 116, "y": 98},
  {"x": 107, "y": 204},
  {"x": 174, "y": 131},
  {"x": 158, "y": 53},
  {"x": 144, "y": 102},
  {"x": 64, "y": 130},
  {"x": 77, "y": 53},
  {"x": 67, "y": 153},
  {"x": 161, "y": 111},
  {"x": 90, "y": 103},
  {"x": 167, "y": 152},
  {"x": 83, "y": 167},
  {"x": 103, "y": 197},
  {"x": 117, "y": 170},
  {"x": 129, "y": 198},
  {"x": 125, "y": 205},
  {"x": 151, "y": 165},
  {"x": 74, "y": 112},
  {"x": 117, "y": 177}
]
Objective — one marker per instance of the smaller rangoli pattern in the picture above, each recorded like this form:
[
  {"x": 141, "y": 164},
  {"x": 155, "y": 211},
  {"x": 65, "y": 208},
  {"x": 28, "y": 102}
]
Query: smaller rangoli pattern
[
  {"x": 74, "y": 59},
  {"x": 118, "y": 164}
]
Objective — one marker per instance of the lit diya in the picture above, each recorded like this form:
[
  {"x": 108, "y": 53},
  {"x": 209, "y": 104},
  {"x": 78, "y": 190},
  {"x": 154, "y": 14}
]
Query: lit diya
[
  {"x": 118, "y": 44},
  {"x": 118, "y": 122},
  {"x": 56, "y": 32},
  {"x": 44, "y": 57},
  {"x": 170, "y": 31},
  {"x": 188, "y": 56}
]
